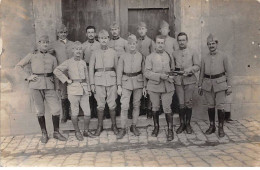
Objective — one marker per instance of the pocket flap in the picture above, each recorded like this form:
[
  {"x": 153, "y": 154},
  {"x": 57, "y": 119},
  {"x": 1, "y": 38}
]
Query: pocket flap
[
  {"x": 221, "y": 79},
  {"x": 154, "y": 82}
]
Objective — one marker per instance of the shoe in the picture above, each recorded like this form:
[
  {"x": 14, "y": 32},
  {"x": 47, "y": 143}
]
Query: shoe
[
  {"x": 156, "y": 124},
  {"x": 115, "y": 129},
  {"x": 44, "y": 138},
  {"x": 221, "y": 118},
  {"x": 113, "y": 120},
  {"x": 170, "y": 135},
  {"x": 121, "y": 134},
  {"x": 88, "y": 134},
  {"x": 79, "y": 136},
  {"x": 212, "y": 128},
  {"x": 56, "y": 125},
  {"x": 188, "y": 113},
  {"x": 182, "y": 126},
  {"x": 100, "y": 115},
  {"x": 134, "y": 130}
]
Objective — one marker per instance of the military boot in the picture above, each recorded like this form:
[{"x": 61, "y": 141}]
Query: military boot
[
  {"x": 113, "y": 121},
  {"x": 156, "y": 124},
  {"x": 78, "y": 134},
  {"x": 212, "y": 127},
  {"x": 182, "y": 117},
  {"x": 86, "y": 132},
  {"x": 100, "y": 115},
  {"x": 56, "y": 125},
  {"x": 188, "y": 113},
  {"x": 169, "y": 120},
  {"x": 44, "y": 138},
  {"x": 134, "y": 130},
  {"x": 221, "y": 119}
]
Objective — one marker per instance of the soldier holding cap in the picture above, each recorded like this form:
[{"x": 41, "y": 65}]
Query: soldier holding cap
[
  {"x": 160, "y": 85},
  {"x": 102, "y": 72},
  {"x": 78, "y": 88},
  {"x": 42, "y": 85},
  {"x": 145, "y": 46},
  {"x": 130, "y": 80},
  {"x": 215, "y": 83},
  {"x": 187, "y": 63},
  {"x": 63, "y": 51}
]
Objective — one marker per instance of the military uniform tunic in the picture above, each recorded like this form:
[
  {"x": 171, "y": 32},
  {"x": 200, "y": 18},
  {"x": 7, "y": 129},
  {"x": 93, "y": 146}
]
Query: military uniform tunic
[
  {"x": 44, "y": 87},
  {"x": 88, "y": 49},
  {"x": 119, "y": 45},
  {"x": 79, "y": 89},
  {"x": 214, "y": 88},
  {"x": 155, "y": 65}
]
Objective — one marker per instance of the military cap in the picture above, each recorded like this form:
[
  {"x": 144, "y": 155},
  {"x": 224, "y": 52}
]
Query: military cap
[
  {"x": 103, "y": 33},
  {"x": 76, "y": 44},
  {"x": 44, "y": 38},
  {"x": 164, "y": 24},
  {"x": 142, "y": 24},
  {"x": 211, "y": 38},
  {"x": 114, "y": 25},
  {"x": 131, "y": 38},
  {"x": 61, "y": 28}
]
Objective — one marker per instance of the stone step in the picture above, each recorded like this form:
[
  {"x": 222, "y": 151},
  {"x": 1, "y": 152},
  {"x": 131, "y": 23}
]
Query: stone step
[{"x": 143, "y": 121}]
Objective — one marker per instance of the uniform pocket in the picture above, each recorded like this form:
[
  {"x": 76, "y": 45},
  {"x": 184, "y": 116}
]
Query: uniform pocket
[
  {"x": 154, "y": 82},
  {"x": 221, "y": 80}
]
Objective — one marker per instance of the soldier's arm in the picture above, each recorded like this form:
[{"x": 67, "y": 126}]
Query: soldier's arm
[
  {"x": 92, "y": 68},
  {"x": 202, "y": 70},
  {"x": 20, "y": 66},
  {"x": 228, "y": 68},
  {"x": 175, "y": 45},
  {"x": 87, "y": 76},
  {"x": 58, "y": 71},
  {"x": 116, "y": 60},
  {"x": 172, "y": 62},
  {"x": 120, "y": 69},
  {"x": 56, "y": 81},
  {"x": 148, "y": 73},
  {"x": 196, "y": 62},
  {"x": 143, "y": 70}
]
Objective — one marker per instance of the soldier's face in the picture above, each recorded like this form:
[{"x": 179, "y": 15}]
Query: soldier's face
[
  {"x": 44, "y": 45},
  {"x": 115, "y": 32},
  {"x": 91, "y": 34},
  {"x": 132, "y": 45},
  {"x": 165, "y": 31},
  {"x": 142, "y": 31},
  {"x": 77, "y": 51},
  {"x": 62, "y": 35},
  {"x": 103, "y": 40},
  {"x": 160, "y": 44},
  {"x": 182, "y": 40},
  {"x": 212, "y": 46}
]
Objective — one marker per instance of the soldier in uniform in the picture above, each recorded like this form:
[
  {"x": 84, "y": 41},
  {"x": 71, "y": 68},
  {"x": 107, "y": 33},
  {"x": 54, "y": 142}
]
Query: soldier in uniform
[
  {"x": 42, "y": 85},
  {"x": 120, "y": 46},
  {"x": 145, "y": 46},
  {"x": 78, "y": 88},
  {"x": 171, "y": 45},
  {"x": 186, "y": 64},
  {"x": 63, "y": 51},
  {"x": 88, "y": 47},
  {"x": 160, "y": 85},
  {"x": 130, "y": 80},
  {"x": 102, "y": 72},
  {"x": 215, "y": 83}
]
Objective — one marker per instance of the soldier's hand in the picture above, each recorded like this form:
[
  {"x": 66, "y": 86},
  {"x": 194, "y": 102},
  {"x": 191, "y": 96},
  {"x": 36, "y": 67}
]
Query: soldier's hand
[
  {"x": 119, "y": 90},
  {"x": 32, "y": 78},
  {"x": 229, "y": 91},
  {"x": 144, "y": 92},
  {"x": 200, "y": 91},
  {"x": 164, "y": 76},
  {"x": 69, "y": 81},
  {"x": 170, "y": 79},
  {"x": 93, "y": 88},
  {"x": 58, "y": 93}
]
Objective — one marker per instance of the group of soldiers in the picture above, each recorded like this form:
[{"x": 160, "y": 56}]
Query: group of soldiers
[{"x": 134, "y": 69}]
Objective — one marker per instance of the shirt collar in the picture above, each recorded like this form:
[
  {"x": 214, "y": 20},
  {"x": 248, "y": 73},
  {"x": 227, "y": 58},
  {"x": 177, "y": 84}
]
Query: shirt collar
[
  {"x": 142, "y": 37},
  {"x": 91, "y": 41},
  {"x": 63, "y": 41},
  {"x": 116, "y": 38}
]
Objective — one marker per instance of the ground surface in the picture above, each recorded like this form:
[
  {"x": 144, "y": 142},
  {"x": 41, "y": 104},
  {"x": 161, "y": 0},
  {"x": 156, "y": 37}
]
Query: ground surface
[{"x": 240, "y": 147}]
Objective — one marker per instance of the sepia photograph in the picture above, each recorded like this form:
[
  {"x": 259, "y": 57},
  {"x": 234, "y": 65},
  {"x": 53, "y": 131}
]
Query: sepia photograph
[{"x": 130, "y": 83}]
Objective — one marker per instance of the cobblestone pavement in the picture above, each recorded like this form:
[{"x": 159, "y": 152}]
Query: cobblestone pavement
[{"x": 240, "y": 147}]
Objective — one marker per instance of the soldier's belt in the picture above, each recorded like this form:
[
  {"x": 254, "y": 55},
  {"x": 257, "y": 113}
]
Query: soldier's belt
[
  {"x": 132, "y": 74},
  {"x": 214, "y": 76},
  {"x": 79, "y": 80},
  {"x": 105, "y": 69},
  {"x": 44, "y": 74},
  {"x": 175, "y": 73}
]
